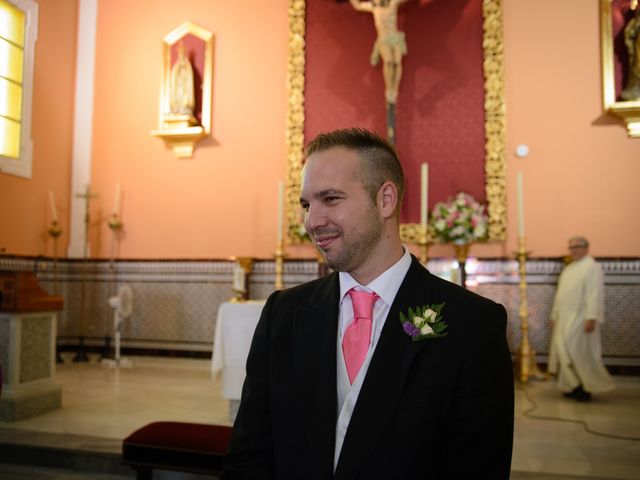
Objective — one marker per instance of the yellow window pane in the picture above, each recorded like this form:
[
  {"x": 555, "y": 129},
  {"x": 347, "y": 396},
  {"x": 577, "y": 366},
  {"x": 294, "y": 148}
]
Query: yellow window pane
[
  {"x": 10, "y": 99},
  {"x": 12, "y": 23},
  {"x": 9, "y": 138},
  {"x": 11, "y": 61}
]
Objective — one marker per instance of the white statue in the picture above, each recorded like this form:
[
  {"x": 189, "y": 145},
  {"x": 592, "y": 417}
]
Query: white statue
[{"x": 182, "y": 100}]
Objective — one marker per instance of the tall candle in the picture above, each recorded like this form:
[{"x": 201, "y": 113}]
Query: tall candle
[
  {"x": 116, "y": 201},
  {"x": 52, "y": 204},
  {"x": 424, "y": 194},
  {"x": 238, "y": 278},
  {"x": 520, "y": 206},
  {"x": 280, "y": 211}
]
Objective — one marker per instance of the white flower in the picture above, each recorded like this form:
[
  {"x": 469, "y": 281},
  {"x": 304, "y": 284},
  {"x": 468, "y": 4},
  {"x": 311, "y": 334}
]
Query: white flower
[
  {"x": 479, "y": 231},
  {"x": 441, "y": 224},
  {"x": 419, "y": 321},
  {"x": 430, "y": 315},
  {"x": 426, "y": 329},
  {"x": 456, "y": 231}
]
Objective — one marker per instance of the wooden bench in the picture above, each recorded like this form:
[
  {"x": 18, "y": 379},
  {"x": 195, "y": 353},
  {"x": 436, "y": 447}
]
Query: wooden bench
[{"x": 179, "y": 446}]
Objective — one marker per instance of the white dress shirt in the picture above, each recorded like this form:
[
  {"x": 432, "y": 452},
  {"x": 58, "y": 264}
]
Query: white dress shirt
[{"x": 386, "y": 286}]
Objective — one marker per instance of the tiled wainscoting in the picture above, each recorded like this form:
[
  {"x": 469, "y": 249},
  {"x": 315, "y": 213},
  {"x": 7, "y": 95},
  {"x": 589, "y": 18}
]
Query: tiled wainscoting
[{"x": 176, "y": 301}]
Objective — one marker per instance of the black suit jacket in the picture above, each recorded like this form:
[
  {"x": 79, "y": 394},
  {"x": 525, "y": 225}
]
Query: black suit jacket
[{"x": 433, "y": 409}]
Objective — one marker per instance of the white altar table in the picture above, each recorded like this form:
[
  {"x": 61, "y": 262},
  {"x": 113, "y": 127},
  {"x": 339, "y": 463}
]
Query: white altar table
[{"x": 232, "y": 339}]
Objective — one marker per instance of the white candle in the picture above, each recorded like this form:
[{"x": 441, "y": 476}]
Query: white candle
[
  {"x": 520, "y": 206},
  {"x": 238, "y": 278},
  {"x": 280, "y": 211},
  {"x": 424, "y": 194},
  {"x": 116, "y": 200},
  {"x": 52, "y": 204}
]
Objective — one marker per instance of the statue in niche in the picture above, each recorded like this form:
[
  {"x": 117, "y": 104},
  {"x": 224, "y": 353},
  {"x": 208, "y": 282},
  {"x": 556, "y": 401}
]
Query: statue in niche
[
  {"x": 632, "y": 42},
  {"x": 390, "y": 45},
  {"x": 182, "y": 98}
]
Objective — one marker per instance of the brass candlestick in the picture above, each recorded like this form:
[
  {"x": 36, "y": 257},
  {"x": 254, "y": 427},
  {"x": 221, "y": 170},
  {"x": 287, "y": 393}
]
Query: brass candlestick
[
  {"x": 424, "y": 244},
  {"x": 241, "y": 292},
  {"x": 279, "y": 264},
  {"x": 54, "y": 232},
  {"x": 526, "y": 362},
  {"x": 462, "y": 253},
  {"x": 115, "y": 223}
]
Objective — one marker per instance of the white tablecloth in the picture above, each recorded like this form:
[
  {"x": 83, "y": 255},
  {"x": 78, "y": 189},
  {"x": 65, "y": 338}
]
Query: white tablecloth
[{"x": 234, "y": 331}]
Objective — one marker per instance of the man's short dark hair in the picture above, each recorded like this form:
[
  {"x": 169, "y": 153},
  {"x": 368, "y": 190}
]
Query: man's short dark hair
[{"x": 379, "y": 160}]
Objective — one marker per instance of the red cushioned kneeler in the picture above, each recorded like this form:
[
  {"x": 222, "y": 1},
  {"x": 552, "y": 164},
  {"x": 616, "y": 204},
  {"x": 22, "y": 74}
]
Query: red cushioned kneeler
[{"x": 187, "y": 447}]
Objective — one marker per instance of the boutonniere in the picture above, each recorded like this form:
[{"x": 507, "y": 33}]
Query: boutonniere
[{"x": 425, "y": 322}]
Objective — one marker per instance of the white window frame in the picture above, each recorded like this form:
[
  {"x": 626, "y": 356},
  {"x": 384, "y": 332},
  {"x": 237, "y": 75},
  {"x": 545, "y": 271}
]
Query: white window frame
[{"x": 22, "y": 166}]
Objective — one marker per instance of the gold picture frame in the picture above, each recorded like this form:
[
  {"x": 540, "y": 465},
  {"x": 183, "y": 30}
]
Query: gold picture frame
[
  {"x": 628, "y": 111},
  {"x": 181, "y": 134},
  {"x": 495, "y": 123}
]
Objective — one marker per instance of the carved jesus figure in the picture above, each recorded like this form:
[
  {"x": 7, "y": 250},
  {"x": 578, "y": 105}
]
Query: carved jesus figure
[{"x": 390, "y": 45}]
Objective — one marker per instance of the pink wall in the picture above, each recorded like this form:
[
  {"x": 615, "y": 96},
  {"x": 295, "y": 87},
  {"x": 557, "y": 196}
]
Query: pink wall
[
  {"x": 579, "y": 178},
  {"x": 223, "y": 201},
  {"x": 24, "y": 212},
  {"x": 582, "y": 174}
]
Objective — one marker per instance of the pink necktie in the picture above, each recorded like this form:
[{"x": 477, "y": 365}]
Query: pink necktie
[{"x": 355, "y": 343}]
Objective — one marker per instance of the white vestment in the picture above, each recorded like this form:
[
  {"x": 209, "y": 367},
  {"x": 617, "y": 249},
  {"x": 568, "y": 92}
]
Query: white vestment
[{"x": 576, "y": 355}]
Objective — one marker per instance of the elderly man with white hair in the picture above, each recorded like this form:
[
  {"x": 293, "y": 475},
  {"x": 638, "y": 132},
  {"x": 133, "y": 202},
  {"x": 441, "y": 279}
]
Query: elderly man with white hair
[{"x": 577, "y": 316}]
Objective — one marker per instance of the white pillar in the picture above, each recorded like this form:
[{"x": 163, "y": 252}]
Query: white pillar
[{"x": 82, "y": 122}]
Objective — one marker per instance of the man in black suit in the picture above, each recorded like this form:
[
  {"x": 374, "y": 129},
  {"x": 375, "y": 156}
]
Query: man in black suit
[{"x": 431, "y": 397}]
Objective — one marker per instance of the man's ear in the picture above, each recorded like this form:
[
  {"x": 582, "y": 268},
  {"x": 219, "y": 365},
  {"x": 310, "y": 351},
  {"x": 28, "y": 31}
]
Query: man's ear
[{"x": 387, "y": 199}]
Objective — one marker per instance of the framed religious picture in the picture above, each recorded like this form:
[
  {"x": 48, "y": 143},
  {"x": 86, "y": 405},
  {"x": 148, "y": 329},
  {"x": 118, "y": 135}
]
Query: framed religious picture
[
  {"x": 186, "y": 88},
  {"x": 443, "y": 104},
  {"x": 620, "y": 47}
]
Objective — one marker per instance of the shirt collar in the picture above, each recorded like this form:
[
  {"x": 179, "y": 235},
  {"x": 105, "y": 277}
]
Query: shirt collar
[{"x": 386, "y": 285}]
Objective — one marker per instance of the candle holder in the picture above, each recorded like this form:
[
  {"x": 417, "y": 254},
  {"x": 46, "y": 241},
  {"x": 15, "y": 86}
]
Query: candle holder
[
  {"x": 279, "y": 265},
  {"x": 241, "y": 292},
  {"x": 424, "y": 244},
  {"x": 54, "y": 232},
  {"x": 526, "y": 361},
  {"x": 462, "y": 253},
  {"x": 115, "y": 223}
]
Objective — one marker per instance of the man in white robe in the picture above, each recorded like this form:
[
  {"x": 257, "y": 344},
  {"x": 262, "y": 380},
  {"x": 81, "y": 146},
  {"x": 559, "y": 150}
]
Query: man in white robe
[{"x": 577, "y": 316}]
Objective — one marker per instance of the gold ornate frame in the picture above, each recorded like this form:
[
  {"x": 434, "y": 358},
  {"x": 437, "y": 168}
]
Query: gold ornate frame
[
  {"x": 183, "y": 138},
  {"x": 629, "y": 111},
  {"x": 495, "y": 123}
]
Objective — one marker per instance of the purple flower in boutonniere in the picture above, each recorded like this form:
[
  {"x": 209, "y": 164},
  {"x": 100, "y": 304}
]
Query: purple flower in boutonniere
[{"x": 424, "y": 322}]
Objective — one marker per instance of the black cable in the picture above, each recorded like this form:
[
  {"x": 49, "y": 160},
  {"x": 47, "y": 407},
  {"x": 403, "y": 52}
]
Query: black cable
[{"x": 527, "y": 413}]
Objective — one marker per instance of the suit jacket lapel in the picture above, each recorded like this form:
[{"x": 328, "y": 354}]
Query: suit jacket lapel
[
  {"x": 315, "y": 328},
  {"x": 385, "y": 379}
]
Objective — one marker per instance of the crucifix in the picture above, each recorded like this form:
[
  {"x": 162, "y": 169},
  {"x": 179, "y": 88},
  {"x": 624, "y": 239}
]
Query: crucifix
[
  {"x": 81, "y": 355},
  {"x": 390, "y": 46}
]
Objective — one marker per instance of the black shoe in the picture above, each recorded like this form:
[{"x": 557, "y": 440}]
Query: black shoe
[
  {"x": 573, "y": 393},
  {"x": 583, "y": 396},
  {"x": 579, "y": 394}
]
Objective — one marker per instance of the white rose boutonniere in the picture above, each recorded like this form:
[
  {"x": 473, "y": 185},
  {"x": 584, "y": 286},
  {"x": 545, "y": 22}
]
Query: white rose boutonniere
[{"x": 424, "y": 322}]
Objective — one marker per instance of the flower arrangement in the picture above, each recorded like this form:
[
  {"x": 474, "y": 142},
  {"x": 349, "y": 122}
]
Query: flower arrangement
[{"x": 459, "y": 220}]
